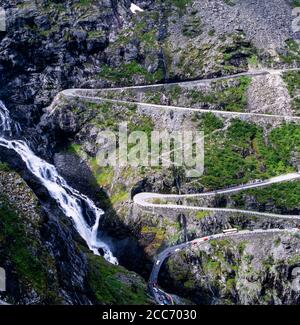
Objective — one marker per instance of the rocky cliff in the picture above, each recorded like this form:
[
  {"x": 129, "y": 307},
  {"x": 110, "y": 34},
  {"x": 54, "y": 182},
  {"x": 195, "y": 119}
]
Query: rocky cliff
[
  {"x": 45, "y": 260},
  {"x": 256, "y": 271},
  {"x": 54, "y": 45}
]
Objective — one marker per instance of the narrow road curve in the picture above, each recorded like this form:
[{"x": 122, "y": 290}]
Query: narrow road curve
[
  {"x": 143, "y": 200},
  {"x": 164, "y": 298},
  {"x": 93, "y": 96}
]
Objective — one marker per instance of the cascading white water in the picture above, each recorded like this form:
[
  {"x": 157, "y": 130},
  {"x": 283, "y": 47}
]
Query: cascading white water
[
  {"x": 70, "y": 200},
  {"x": 5, "y": 121}
]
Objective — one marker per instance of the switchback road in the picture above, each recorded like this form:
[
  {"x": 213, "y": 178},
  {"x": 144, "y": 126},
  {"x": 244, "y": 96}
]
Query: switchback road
[{"x": 146, "y": 200}]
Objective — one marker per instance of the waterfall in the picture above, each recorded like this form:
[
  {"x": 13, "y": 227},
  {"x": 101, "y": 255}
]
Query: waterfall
[{"x": 69, "y": 200}]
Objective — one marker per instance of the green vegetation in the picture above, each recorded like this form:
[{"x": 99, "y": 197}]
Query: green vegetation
[
  {"x": 219, "y": 265},
  {"x": 292, "y": 80},
  {"x": 239, "y": 50},
  {"x": 283, "y": 196},
  {"x": 152, "y": 97},
  {"x": 104, "y": 175},
  {"x": 113, "y": 284},
  {"x": 230, "y": 2},
  {"x": 74, "y": 149},
  {"x": 201, "y": 214},
  {"x": 292, "y": 54},
  {"x": 227, "y": 98},
  {"x": 120, "y": 194},
  {"x": 209, "y": 122},
  {"x": 192, "y": 27},
  {"x": 268, "y": 263},
  {"x": 126, "y": 72},
  {"x": 277, "y": 241},
  {"x": 149, "y": 38},
  {"x": 107, "y": 117},
  {"x": 95, "y": 34},
  {"x": 191, "y": 60},
  {"x": 145, "y": 124},
  {"x": 241, "y": 154},
  {"x": 158, "y": 233},
  {"x": 180, "y": 4},
  {"x": 123, "y": 72},
  {"x": 4, "y": 167},
  {"x": 29, "y": 260},
  {"x": 241, "y": 247},
  {"x": 85, "y": 3},
  {"x": 253, "y": 61},
  {"x": 296, "y": 3},
  {"x": 211, "y": 32},
  {"x": 213, "y": 267},
  {"x": 227, "y": 95},
  {"x": 294, "y": 260}
]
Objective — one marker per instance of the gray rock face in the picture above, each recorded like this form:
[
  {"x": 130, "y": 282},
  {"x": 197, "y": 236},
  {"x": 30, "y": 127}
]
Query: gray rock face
[
  {"x": 45, "y": 259},
  {"x": 267, "y": 25},
  {"x": 47, "y": 239},
  {"x": 255, "y": 271},
  {"x": 50, "y": 46}
]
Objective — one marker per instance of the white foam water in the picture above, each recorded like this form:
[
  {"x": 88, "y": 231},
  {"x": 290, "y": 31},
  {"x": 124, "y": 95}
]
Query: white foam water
[{"x": 70, "y": 200}]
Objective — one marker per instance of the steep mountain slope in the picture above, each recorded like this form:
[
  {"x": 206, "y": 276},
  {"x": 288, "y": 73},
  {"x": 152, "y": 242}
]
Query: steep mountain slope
[
  {"x": 45, "y": 260},
  {"x": 49, "y": 46},
  {"x": 52, "y": 45},
  {"x": 257, "y": 271}
]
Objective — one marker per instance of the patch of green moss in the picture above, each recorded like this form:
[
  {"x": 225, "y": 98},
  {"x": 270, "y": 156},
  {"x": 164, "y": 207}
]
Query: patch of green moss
[
  {"x": 74, "y": 148},
  {"x": 201, "y": 215},
  {"x": 238, "y": 52},
  {"x": 95, "y": 34},
  {"x": 113, "y": 284},
  {"x": 277, "y": 241},
  {"x": 211, "y": 32},
  {"x": 126, "y": 72},
  {"x": 230, "y": 2},
  {"x": 4, "y": 167},
  {"x": 213, "y": 266},
  {"x": 159, "y": 236},
  {"x": 230, "y": 283},
  {"x": 104, "y": 175},
  {"x": 119, "y": 195},
  {"x": 30, "y": 261},
  {"x": 294, "y": 260},
  {"x": 144, "y": 124},
  {"x": 268, "y": 263},
  {"x": 209, "y": 122},
  {"x": 181, "y": 4},
  {"x": 253, "y": 61},
  {"x": 295, "y": 3}
]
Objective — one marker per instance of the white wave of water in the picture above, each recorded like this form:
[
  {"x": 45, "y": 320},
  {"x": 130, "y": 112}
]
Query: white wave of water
[{"x": 73, "y": 204}]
